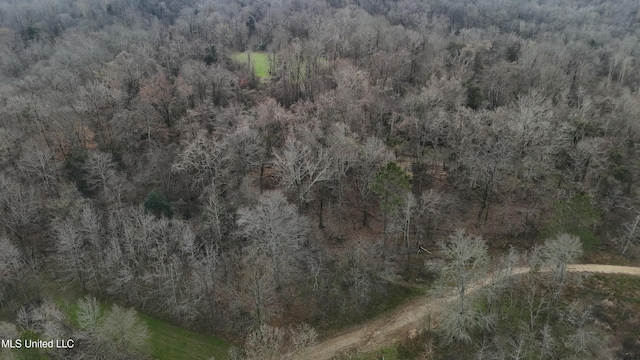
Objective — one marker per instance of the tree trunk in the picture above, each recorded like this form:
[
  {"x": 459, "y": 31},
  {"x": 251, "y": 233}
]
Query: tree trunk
[
  {"x": 260, "y": 182},
  {"x": 320, "y": 222}
]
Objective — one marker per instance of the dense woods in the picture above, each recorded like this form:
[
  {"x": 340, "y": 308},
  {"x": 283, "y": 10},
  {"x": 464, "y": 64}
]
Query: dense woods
[{"x": 146, "y": 163}]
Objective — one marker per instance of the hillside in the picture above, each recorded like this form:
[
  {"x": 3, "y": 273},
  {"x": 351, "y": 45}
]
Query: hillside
[{"x": 273, "y": 173}]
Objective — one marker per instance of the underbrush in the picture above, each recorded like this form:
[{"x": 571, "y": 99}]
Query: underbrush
[{"x": 383, "y": 300}]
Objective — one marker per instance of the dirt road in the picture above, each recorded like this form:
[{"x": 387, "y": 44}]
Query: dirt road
[{"x": 390, "y": 328}]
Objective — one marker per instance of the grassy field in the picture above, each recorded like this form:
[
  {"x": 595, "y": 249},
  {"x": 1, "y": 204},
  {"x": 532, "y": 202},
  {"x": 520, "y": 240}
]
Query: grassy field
[
  {"x": 167, "y": 341},
  {"x": 172, "y": 342},
  {"x": 259, "y": 61}
]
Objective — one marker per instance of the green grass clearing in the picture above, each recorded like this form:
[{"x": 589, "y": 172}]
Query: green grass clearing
[
  {"x": 170, "y": 342},
  {"x": 259, "y": 61},
  {"x": 166, "y": 341}
]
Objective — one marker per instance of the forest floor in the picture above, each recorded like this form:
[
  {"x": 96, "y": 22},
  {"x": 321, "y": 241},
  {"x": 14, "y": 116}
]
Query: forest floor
[{"x": 409, "y": 319}]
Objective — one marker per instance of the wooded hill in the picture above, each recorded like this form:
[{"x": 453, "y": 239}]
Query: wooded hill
[{"x": 145, "y": 162}]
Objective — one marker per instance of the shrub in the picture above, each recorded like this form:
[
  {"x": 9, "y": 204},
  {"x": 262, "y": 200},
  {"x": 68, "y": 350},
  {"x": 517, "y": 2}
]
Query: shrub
[{"x": 158, "y": 204}]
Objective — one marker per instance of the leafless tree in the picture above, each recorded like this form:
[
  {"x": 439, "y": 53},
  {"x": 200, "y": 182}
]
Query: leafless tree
[
  {"x": 37, "y": 162},
  {"x": 122, "y": 335},
  {"x": 47, "y": 319},
  {"x": 269, "y": 342},
  {"x": 466, "y": 257},
  {"x": 79, "y": 239},
  {"x": 459, "y": 326},
  {"x": 631, "y": 234},
  {"x": 242, "y": 152},
  {"x": 266, "y": 342},
  {"x": 259, "y": 286},
  {"x": 19, "y": 207},
  {"x": 199, "y": 160},
  {"x": 101, "y": 171},
  {"x": 558, "y": 253},
  {"x": 486, "y": 158},
  {"x": 275, "y": 231},
  {"x": 71, "y": 247},
  {"x": 216, "y": 219},
  {"x": 430, "y": 205},
  {"x": 403, "y": 221},
  {"x": 343, "y": 147},
  {"x": 89, "y": 313},
  {"x": 302, "y": 168},
  {"x": 585, "y": 341},
  {"x": 12, "y": 268},
  {"x": 371, "y": 156}
]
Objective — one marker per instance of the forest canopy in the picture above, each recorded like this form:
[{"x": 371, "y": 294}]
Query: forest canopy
[{"x": 234, "y": 166}]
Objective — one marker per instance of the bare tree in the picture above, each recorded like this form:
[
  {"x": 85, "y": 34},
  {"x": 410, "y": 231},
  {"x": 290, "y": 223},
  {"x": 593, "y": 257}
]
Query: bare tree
[
  {"x": 164, "y": 95},
  {"x": 276, "y": 231},
  {"x": 302, "y": 168},
  {"x": 47, "y": 319},
  {"x": 585, "y": 342},
  {"x": 259, "y": 285},
  {"x": 404, "y": 218},
  {"x": 486, "y": 159},
  {"x": 459, "y": 326},
  {"x": 266, "y": 342},
  {"x": 430, "y": 205},
  {"x": 242, "y": 152},
  {"x": 71, "y": 248},
  {"x": 558, "y": 253},
  {"x": 205, "y": 282},
  {"x": 371, "y": 155},
  {"x": 547, "y": 342},
  {"x": 631, "y": 234},
  {"x": 89, "y": 313},
  {"x": 361, "y": 267},
  {"x": 96, "y": 100},
  {"x": 101, "y": 173},
  {"x": 19, "y": 207},
  {"x": 270, "y": 342},
  {"x": 344, "y": 154},
  {"x": 79, "y": 245},
  {"x": 10, "y": 259},
  {"x": 199, "y": 160},
  {"x": 122, "y": 335},
  {"x": 302, "y": 336},
  {"x": 37, "y": 163},
  {"x": 466, "y": 257},
  {"x": 12, "y": 267},
  {"x": 216, "y": 219}
]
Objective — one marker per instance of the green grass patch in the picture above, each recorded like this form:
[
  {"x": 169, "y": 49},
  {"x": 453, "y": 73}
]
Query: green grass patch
[
  {"x": 258, "y": 60},
  {"x": 172, "y": 342},
  {"x": 622, "y": 288},
  {"x": 167, "y": 341},
  {"x": 590, "y": 242},
  {"x": 576, "y": 216}
]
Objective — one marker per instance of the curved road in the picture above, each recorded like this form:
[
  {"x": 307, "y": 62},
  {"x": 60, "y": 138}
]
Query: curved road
[{"x": 392, "y": 327}]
